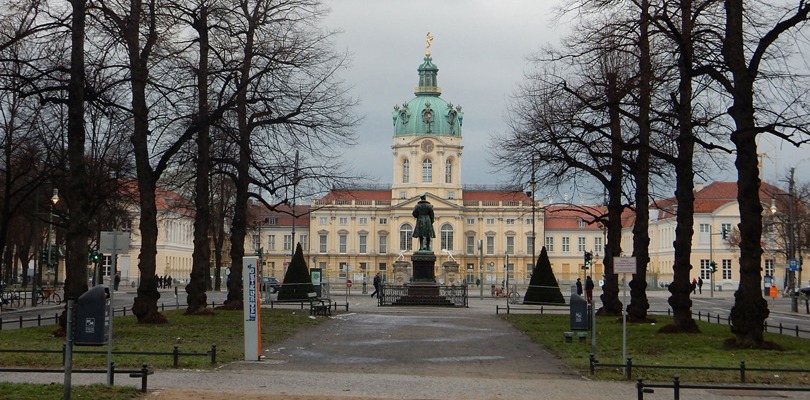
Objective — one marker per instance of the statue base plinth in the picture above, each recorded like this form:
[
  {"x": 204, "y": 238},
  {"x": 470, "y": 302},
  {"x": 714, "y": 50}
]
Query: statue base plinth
[{"x": 424, "y": 263}]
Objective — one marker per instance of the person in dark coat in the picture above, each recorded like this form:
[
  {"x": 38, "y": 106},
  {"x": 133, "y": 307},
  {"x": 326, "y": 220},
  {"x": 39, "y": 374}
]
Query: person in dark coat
[
  {"x": 377, "y": 281},
  {"x": 589, "y": 289},
  {"x": 579, "y": 286}
]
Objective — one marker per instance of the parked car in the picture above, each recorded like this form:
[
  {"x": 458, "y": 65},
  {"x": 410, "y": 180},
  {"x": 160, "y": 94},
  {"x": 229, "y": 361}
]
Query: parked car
[
  {"x": 271, "y": 284},
  {"x": 805, "y": 291}
]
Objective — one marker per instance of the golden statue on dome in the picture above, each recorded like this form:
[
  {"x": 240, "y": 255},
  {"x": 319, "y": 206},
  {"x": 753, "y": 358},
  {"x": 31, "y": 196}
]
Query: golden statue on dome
[{"x": 427, "y": 46}]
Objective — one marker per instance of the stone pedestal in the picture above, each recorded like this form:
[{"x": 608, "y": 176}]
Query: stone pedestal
[{"x": 424, "y": 267}]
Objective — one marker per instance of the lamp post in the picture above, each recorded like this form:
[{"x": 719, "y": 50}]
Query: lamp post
[
  {"x": 481, "y": 269},
  {"x": 533, "y": 187},
  {"x": 791, "y": 244},
  {"x": 54, "y": 200}
]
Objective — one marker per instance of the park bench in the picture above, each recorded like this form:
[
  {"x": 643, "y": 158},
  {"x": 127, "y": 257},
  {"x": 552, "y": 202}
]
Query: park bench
[{"x": 318, "y": 306}]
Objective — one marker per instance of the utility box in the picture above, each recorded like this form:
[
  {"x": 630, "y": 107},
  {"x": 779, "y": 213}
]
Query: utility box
[
  {"x": 579, "y": 312},
  {"x": 92, "y": 320}
]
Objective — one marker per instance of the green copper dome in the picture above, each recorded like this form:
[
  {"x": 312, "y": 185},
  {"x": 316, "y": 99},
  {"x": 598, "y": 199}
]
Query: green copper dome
[{"x": 427, "y": 113}]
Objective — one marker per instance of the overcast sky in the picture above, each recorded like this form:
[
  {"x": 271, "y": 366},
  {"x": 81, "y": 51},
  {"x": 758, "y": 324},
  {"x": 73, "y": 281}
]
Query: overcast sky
[{"x": 481, "y": 49}]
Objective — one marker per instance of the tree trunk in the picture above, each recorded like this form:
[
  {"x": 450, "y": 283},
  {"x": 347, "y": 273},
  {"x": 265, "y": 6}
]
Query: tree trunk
[
  {"x": 637, "y": 310},
  {"x": 750, "y": 309},
  {"x": 680, "y": 288},
  {"x": 200, "y": 269},
  {"x": 78, "y": 200},
  {"x": 610, "y": 291}
]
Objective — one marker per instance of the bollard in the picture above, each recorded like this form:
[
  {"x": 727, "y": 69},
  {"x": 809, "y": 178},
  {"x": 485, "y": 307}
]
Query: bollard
[
  {"x": 144, "y": 374},
  {"x": 629, "y": 368},
  {"x": 213, "y": 353},
  {"x": 112, "y": 374},
  {"x": 676, "y": 387},
  {"x": 742, "y": 371},
  {"x": 175, "y": 355},
  {"x": 591, "y": 361}
]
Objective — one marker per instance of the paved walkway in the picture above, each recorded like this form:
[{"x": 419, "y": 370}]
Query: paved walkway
[
  {"x": 387, "y": 352},
  {"x": 398, "y": 353}
]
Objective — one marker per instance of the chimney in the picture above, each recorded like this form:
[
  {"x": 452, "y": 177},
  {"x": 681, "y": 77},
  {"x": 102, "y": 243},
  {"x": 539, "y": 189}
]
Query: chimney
[{"x": 698, "y": 186}]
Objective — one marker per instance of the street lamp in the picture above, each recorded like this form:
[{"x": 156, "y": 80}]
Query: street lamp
[
  {"x": 530, "y": 194},
  {"x": 791, "y": 244}
]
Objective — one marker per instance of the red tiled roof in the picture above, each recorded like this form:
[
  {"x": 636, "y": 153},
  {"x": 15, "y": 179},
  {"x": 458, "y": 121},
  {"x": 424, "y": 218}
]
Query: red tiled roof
[
  {"x": 714, "y": 196},
  {"x": 567, "y": 217},
  {"x": 283, "y": 215}
]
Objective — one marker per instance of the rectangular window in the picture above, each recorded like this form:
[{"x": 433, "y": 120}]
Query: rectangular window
[
  {"x": 402, "y": 194},
  {"x": 343, "y": 220},
  {"x": 383, "y": 221},
  {"x": 256, "y": 242},
  {"x": 451, "y": 195},
  {"x": 529, "y": 245},
  {"x": 769, "y": 267},
  {"x": 343, "y": 239},
  {"x": 405, "y": 240},
  {"x": 726, "y": 269},
  {"x": 703, "y": 233},
  {"x": 704, "y": 269},
  {"x": 510, "y": 221},
  {"x": 287, "y": 242},
  {"x": 362, "y": 244},
  {"x": 510, "y": 245},
  {"x": 580, "y": 244},
  {"x": 581, "y": 223},
  {"x": 363, "y": 221},
  {"x": 529, "y": 271},
  {"x": 383, "y": 244},
  {"x": 304, "y": 240},
  {"x": 323, "y": 220},
  {"x": 322, "y": 244},
  {"x": 597, "y": 245},
  {"x": 271, "y": 243},
  {"x": 469, "y": 245},
  {"x": 490, "y": 221},
  {"x": 566, "y": 244},
  {"x": 528, "y": 221},
  {"x": 549, "y": 244},
  {"x": 490, "y": 245},
  {"x": 470, "y": 221},
  {"x": 344, "y": 270}
]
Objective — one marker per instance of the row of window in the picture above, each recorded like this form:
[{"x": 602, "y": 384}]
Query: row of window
[
  {"x": 427, "y": 171},
  {"x": 287, "y": 242},
  {"x": 383, "y": 221}
]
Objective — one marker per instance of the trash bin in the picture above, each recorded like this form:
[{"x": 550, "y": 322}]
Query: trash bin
[
  {"x": 579, "y": 312},
  {"x": 92, "y": 320}
]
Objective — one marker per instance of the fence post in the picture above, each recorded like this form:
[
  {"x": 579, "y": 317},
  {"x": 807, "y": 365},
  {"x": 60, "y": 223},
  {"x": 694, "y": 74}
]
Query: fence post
[
  {"x": 1, "y": 324},
  {"x": 742, "y": 371},
  {"x": 64, "y": 349},
  {"x": 780, "y": 328},
  {"x": 175, "y": 355},
  {"x": 144, "y": 374},
  {"x": 39, "y": 319},
  {"x": 676, "y": 387},
  {"x": 640, "y": 389},
  {"x": 629, "y": 368},
  {"x": 797, "y": 330},
  {"x": 21, "y": 321},
  {"x": 591, "y": 360},
  {"x": 112, "y": 373},
  {"x": 213, "y": 353}
]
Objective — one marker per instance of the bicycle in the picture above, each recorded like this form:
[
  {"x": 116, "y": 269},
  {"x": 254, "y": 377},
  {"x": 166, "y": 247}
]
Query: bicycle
[
  {"x": 10, "y": 298},
  {"x": 48, "y": 295}
]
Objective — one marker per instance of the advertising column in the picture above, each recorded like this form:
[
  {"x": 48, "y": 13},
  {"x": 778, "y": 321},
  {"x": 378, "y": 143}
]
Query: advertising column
[{"x": 250, "y": 290}]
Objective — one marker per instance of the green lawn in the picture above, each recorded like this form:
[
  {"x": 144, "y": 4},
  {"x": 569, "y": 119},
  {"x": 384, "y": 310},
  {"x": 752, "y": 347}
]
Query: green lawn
[
  {"x": 192, "y": 334},
  {"x": 648, "y": 347}
]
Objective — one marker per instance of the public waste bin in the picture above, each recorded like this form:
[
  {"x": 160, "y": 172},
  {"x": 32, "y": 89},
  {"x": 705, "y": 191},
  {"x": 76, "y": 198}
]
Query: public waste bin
[
  {"x": 92, "y": 320},
  {"x": 579, "y": 312}
]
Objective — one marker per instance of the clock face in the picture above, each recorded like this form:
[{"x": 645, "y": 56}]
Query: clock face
[{"x": 427, "y": 146}]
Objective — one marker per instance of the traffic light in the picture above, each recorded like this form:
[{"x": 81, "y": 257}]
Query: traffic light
[
  {"x": 724, "y": 233},
  {"x": 588, "y": 257},
  {"x": 43, "y": 257},
  {"x": 712, "y": 267}
]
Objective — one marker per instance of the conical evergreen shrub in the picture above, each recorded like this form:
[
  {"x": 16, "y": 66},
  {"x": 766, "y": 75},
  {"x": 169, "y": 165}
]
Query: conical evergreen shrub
[
  {"x": 297, "y": 284},
  {"x": 543, "y": 287}
]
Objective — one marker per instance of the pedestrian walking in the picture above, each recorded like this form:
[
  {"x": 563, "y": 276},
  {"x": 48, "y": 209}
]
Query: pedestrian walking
[
  {"x": 579, "y": 286},
  {"x": 700, "y": 285},
  {"x": 694, "y": 285},
  {"x": 117, "y": 280},
  {"x": 589, "y": 289},
  {"x": 377, "y": 281}
]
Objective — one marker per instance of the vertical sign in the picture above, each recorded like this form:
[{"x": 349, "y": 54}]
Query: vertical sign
[{"x": 250, "y": 290}]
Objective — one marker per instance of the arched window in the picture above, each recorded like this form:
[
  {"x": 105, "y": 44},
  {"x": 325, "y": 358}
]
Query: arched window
[
  {"x": 427, "y": 171},
  {"x": 448, "y": 171},
  {"x": 405, "y": 237},
  {"x": 447, "y": 237},
  {"x": 406, "y": 171}
]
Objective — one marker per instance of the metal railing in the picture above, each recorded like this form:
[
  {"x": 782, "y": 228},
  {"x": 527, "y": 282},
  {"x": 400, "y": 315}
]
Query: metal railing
[
  {"x": 677, "y": 386},
  {"x": 445, "y": 295},
  {"x": 742, "y": 368}
]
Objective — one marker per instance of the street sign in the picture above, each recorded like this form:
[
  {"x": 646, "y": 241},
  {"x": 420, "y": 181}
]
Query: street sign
[
  {"x": 624, "y": 265},
  {"x": 793, "y": 264},
  {"x": 113, "y": 242}
]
